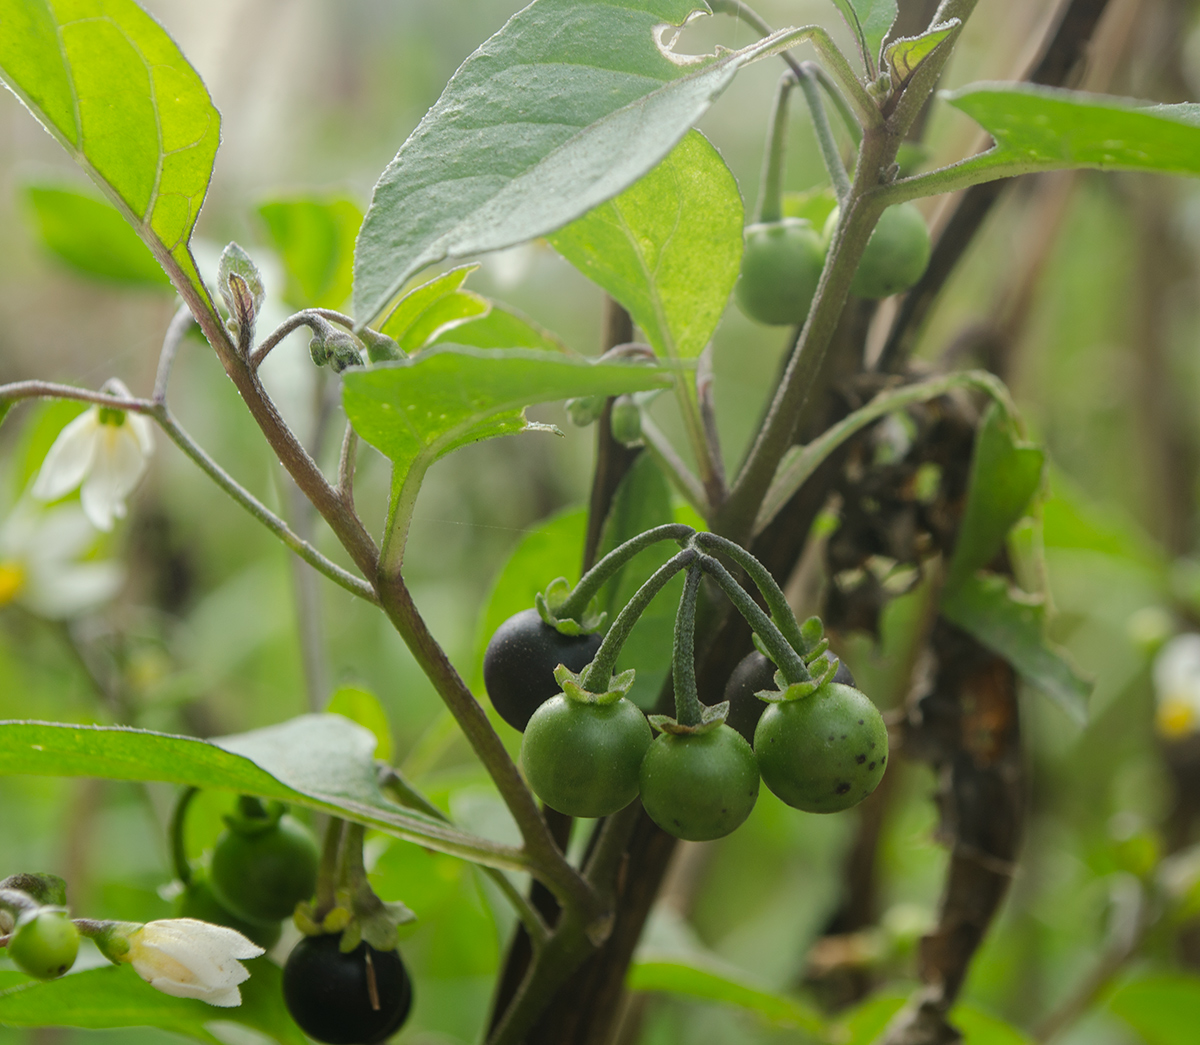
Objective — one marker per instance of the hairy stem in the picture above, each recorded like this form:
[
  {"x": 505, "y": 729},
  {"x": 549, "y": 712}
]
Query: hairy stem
[
  {"x": 688, "y": 709},
  {"x": 823, "y": 132}
]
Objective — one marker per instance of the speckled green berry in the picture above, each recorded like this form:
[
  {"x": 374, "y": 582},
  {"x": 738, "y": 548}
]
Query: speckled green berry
[
  {"x": 824, "y": 752},
  {"x": 44, "y": 943}
]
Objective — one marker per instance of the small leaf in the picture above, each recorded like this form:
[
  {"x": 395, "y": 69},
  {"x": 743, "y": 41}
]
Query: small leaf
[
  {"x": 315, "y": 241},
  {"x": 1012, "y": 624},
  {"x": 713, "y": 981},
  {"x": 123, "y": 101},
  {"x": 869, "y": 20},
  {"x": 420, "y": 409},
  {"x": 410, "y": 308},
  {"x": 567, "y": 105},
  {"x": 668, "y": 248},
  {"x": 905, "y": 54},
  {"x": 443, "y": 317},
  {"x": 92, "y": 237},
  {"x": 362, "y": 706},
  {"x": 502, "y": 327},
  {"x": 108, "y": 998},
  {"x": 1045, "y": 128},
  {"x": 1005, "y": 474},
  {"x": 240, "y": 284},
  {"x": 1163, "y": 1008}
]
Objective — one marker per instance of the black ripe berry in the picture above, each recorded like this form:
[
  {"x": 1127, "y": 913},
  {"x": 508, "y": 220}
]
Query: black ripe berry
[
  {"x": 346, "y": 999},
  {"x": 518, "y": 667}
]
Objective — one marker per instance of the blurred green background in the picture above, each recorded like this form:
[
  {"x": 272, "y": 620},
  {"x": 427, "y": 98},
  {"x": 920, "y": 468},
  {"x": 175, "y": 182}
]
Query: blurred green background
[{"x": 1093, "y": 278}]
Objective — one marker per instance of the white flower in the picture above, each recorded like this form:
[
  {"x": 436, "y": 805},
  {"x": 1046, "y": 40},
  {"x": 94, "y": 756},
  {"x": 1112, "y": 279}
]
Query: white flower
[
  {"x": 186, "y": 958},
  {"x": 103, "y": 449},
  {"x": 39, "y": 567},
  {"x": 1177, "y": 686}
]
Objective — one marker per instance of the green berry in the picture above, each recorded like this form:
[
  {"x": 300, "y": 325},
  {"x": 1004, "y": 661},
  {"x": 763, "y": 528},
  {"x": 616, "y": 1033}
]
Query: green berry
[
  {"x": 44, "y": 943},
  {"x": 896, "y": 255},
  {"x": 781, "y": 267}
]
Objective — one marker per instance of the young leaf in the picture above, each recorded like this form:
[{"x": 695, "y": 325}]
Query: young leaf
[
  {"x": 362, "y": 706},
  {"x": 695, "y": 977},
  {"x": 420, "y": 409},
  {"x": 1012, "y": 625},
  {"x": 1045, "y": 128},
  {"x": 668, "y": 248},
  {"x": 1163, "y": 1008},
  {"x": 502, "y": 327},
  {"x": 869, "y": 20},
  {"x": 90, "y": 236},
  {"x": 442, "y": 317},
  {"x": 123, "y": 101},
  {"x": 410, "y": 308},
  {"x": 315, "y": 240},
  {"x": 569, "y": 103},
  {"x": 324, "y": 762},
  {"x": 905, "y": 54},
  {"x": 111, "y": 997},
  {"x": 1005, "y": 474}
]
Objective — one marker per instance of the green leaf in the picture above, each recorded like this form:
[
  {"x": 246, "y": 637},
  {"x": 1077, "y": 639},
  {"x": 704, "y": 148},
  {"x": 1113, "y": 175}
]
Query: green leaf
[
  {"x": 502, "y": 327},
  {"x": 866, "y": 1022},
  {"x": 981, "y": 1028},
  {"x": 321, "y": 761},
  {"x": 315, "y": 241},
  {"x": 567, "y": 105},
  {"x": 553, "y": 549},
  {"x": 1005, "y": 474},
  {"x": 814, "y": 206},
  {"x": 668, "y": 248},
  {"x": 112, "y": 997},
  {"x": 442, "y": 317},
  {"x": 119, "y": 96},
  {"x": 412, "y": 307},
  {"x": 1012, "y": 624},
  {"x": 420, "y": 409},
  {"x": 362, "y": 706},
  {"x": 92, "y": 237},
  {"x": 1163, "y": 1008},
  {"x": 869, "y": 20},
  {"x": 1044, "y": 128},
  {"x": 694, "y": 977},
  {"x": 905, "y": 54}
]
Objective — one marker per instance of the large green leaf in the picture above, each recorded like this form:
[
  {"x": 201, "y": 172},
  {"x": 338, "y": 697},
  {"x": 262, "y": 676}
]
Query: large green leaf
[
  {"x": 91, "y": 236},
  {"x": 1044, "y": 128},
  {"x": 1164, "y": 1008},
  {"x": 321, "y": 761},
  {"x": 112, "y": 997},
  {"x": 668, "y": 248},
  {"x": 568, "y": 104},
  {"x": 420, "y": 409},
  {"x": 712, "y": 981},
  {"x": 1005, "y": 474},
  {"x": 315, "y": 240},
  {"x": 1013, "y": 625},
  {"x": 114, "y": 89}
]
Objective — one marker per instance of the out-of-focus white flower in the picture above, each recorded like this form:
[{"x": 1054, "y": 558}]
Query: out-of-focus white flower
[
  {"x": 187, "y": 958},
  {"x": 40, "y": 567},
  {"x": 1177, "y": 686},
  {"x": 103, "y": 449}
]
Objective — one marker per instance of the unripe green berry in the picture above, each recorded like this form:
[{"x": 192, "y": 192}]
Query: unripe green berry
[
  {"x": 44, "y": 943},
  {"x": 781, "y": 267}
]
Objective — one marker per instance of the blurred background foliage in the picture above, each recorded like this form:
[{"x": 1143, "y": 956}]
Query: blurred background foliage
[{"x": 1082, "y": 291}]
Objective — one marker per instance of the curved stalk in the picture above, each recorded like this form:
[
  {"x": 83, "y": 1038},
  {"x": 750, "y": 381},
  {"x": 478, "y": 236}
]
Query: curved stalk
[
  {"x": 688, "y": 709},
  {"x": 175, "y": 831}
]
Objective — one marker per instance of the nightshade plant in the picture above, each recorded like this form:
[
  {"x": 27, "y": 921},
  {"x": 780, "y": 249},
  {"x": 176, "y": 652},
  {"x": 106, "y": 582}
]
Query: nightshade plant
[{"x": 573, "y": 123}]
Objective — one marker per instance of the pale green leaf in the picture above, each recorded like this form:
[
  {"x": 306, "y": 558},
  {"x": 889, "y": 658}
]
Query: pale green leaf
[
  {"x": 107, "y": 81},
  {"x": 1005, "y": 474},
  {"x": 869, "y": 20},
  {"x": 315, "y": 241},
  {"x": 502, "y": 327},
  {"x": 443, "y": 317},
  {"x": 696, "y": 977},
  {"x": 1045, "y": 128},
  {"x": 92, "y": 237},
  {"x": 420, "y": 409},
  {"x": 905, "y": 54},
  {"x": 410, "y": 308},
  {"x": 567, "y": 105},
  {"x": 115, "y": 996},
  {"x": 982, "y": 1028},
  {"x": 1164, "y": 1008},
  {"x": 324, "y": 762},
  {"x": 1013, "y": 625},
  {"x": 668, "y": 248},
  {"x": 362, "y": 706}
]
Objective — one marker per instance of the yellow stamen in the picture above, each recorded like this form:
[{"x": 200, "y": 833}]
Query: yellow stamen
[
  {"x": 1175, "y": 718},
  {"x": 12, "y": 580}
]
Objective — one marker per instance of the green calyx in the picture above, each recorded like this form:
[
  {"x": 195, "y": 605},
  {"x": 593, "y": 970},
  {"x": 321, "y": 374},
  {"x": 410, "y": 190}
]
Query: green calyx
[
  {"x": 573, "y": 687},
  {"x": 552, "y": 599},
  {"x": 253, "y": 816},
  {"x": 799, "y": 690},
  {"x": 711, "y": 717}
]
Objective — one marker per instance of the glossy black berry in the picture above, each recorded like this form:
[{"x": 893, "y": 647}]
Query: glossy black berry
[
  {"x": 330, "y": 996},
  {"x": 518, "y": 667}
]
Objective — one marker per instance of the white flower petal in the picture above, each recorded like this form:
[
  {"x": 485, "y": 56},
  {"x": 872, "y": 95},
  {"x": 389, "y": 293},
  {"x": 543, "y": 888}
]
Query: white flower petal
[
  {"x": 226, "y": 998},
  {"x": 143, "y": 431},
  {"x": 187, "y": 958},
  {"x": 118, "y": 465},
  {"x": 69, "y": 458},
  {"x": 67, "y": 590},
  {"x": 1177, "y": 671},
  {"x": 58, "y": 535}
]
